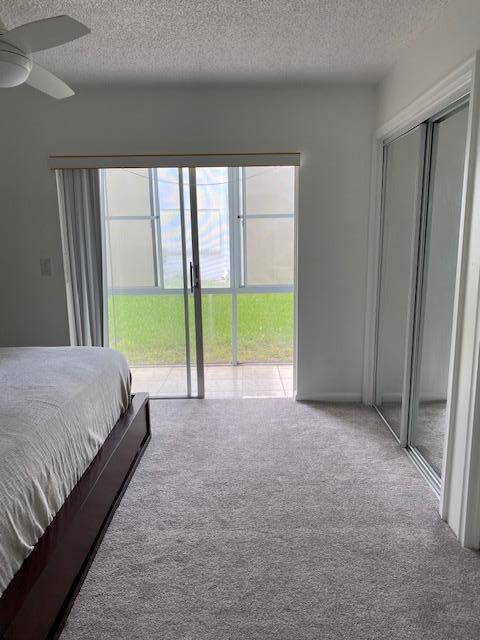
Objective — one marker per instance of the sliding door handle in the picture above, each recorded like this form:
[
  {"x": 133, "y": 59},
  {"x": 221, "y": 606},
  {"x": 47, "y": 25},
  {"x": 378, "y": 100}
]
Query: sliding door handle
[{"x": 194, "y": 276}]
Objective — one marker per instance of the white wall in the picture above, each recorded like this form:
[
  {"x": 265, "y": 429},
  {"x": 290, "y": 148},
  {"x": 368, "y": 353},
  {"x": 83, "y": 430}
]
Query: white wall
[
  {"x": 331, "y": 127},
  {"x": 438, "y": 51}
]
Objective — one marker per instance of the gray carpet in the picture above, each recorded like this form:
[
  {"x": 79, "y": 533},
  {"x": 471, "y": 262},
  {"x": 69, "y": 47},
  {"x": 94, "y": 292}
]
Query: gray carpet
[{"x": 256, "y": 519}]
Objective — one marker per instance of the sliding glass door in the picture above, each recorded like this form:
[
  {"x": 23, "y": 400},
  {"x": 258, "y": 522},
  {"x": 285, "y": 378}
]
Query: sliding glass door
[
  {"x": 200, "y": 266},
  {"x": 422, "y": 203},
  {"x": 152, "y": 265},
  {"x": 246, "y": 243}
]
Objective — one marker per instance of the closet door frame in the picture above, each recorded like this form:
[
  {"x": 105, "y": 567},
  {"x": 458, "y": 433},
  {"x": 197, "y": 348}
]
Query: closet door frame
[
  {"x": 417, "y": 314},
  {"x": 415, "y": 258},
  {"x": 416, "y": 294},
  {"x": 457, "y": 85},
  {"x": 459, "y": 503}
]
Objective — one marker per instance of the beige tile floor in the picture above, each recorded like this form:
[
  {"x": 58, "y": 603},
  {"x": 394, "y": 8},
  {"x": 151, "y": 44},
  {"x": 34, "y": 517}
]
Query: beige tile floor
[{"x": 221, "y": 381}]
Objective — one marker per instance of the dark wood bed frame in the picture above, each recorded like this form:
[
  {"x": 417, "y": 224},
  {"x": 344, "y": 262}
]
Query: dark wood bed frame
[{"x": 37, "y": 601}]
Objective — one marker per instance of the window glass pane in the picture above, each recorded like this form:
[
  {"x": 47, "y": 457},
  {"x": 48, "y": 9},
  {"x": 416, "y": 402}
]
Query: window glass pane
[
  {"x": 265, "y": 327},
  {"x": 130, "y": 253},
  {"x": 171, "y": 249},
  {"x": 170, "y": 225},
  {"x": 213, "y": 226},
  {"x": 168, "y": 189},
  {"x": 128, "y": 192},
  {"x": 269, "y": 251},
  {"x": 217, "y": 328},
  {"x": 149, "y": 330},
  {"x": 269, "y": 190}
]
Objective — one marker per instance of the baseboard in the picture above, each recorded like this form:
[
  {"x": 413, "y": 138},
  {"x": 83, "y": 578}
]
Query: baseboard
[
  {"x": 391, "y": 397},
  {"x": 340, "y": 396},
  {"x": 427, "y": 397},
  {"x": 434, "y": 397}
]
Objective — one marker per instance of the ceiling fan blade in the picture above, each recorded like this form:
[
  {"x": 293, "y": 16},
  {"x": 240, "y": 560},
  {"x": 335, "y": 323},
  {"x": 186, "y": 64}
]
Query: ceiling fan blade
[
  {"x": 44, "y": 34},
  {"x": 45, "y": 81}
]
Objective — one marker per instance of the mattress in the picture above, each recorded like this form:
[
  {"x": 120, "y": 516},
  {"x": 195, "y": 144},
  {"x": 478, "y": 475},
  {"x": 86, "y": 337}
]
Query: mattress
[{"x": 57, "y": 406}]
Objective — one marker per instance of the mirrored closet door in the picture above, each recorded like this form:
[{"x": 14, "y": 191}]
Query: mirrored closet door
[
  {"x": 402, "y": 162},
  {"x": 421, "y": 210},
  {"x": 436, "y": 285}
]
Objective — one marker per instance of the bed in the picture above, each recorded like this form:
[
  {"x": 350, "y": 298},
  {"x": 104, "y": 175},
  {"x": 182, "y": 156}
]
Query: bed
[{"x": 70, "y": 439}]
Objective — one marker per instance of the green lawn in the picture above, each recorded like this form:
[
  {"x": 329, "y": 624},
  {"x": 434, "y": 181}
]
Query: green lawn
[{"x": 150, "y": 329}]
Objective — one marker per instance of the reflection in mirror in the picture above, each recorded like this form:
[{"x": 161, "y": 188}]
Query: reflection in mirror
[
  {"x": 400, "y": 198},
  {"x": 443, "y": 223}
]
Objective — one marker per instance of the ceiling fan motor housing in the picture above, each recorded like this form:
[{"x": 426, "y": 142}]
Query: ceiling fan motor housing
[{"x": 15, "y": 66}]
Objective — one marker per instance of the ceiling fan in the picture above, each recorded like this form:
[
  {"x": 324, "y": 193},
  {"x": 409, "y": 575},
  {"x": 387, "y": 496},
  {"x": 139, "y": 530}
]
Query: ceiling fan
[{"x": 16, "y": 64}]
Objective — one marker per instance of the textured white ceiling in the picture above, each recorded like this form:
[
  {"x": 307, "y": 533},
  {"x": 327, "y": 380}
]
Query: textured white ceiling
[{"x": 229, "y": 41}]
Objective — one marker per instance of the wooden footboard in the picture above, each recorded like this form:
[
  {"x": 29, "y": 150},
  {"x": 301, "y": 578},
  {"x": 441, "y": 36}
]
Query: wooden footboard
[{"x": 38, "y": 600}]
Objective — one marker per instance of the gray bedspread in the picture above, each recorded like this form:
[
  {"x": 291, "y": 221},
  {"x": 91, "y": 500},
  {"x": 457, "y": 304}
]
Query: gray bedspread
[{"x": 57, "y": 406}]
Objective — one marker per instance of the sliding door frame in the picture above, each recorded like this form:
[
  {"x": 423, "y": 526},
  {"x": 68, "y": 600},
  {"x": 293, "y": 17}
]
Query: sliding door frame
[
  {"x": 234, "y": 211},
  {"x": 188, "y": 348},
  {"x": 196, "y": 283},
  {"x": 233, "y": 163}
]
